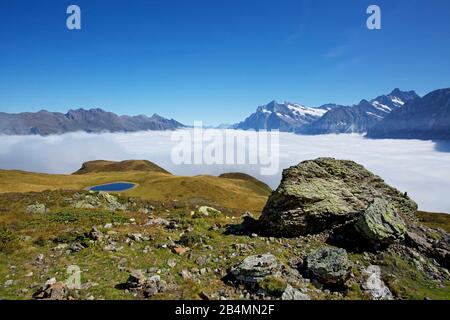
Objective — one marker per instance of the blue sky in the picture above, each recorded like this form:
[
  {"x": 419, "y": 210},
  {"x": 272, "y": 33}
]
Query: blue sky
[{"x": 216, "y": 60}]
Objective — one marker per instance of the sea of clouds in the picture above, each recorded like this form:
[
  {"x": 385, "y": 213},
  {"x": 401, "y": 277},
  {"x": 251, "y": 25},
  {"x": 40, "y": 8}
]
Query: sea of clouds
[{"x": 418, "y": 167}]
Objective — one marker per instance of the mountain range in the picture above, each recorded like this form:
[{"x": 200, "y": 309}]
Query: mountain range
[
  {"x": 285, "y": 116},
  {"x": 396, "y": 115},
  {"x": 421, "y": 118},
  {"x": 328, "y": 118},
  {"x": 359, "y": 118},
  {"x": 92, "y": 120}
]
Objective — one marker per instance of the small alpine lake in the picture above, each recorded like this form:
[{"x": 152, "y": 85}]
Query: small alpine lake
[{"x": 114, "y": 187}]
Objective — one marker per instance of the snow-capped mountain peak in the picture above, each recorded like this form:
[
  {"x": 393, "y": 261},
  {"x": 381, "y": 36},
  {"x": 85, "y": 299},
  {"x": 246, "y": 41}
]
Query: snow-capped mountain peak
[{"x": 286, "y": 116}]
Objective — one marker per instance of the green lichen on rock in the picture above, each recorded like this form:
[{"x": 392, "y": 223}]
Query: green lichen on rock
[
  {"x": 381, "y": 223},
  {"x": 329, "y": 265},
  {"x": 319, "y": 194},
  {"x": 255, "y": 268}
]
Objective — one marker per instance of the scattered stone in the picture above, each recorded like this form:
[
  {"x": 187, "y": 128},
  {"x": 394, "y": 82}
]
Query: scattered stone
[
  {"x": 290, "y": 293},
  {"x": 374, "y": 285},
  {"x": 37, "y": 208},
  {"x": 88, "y": 285},
  {"x": 76, "y": 247},
  {"x": 39, "y": 258},
  {"x": 254, "y": 268},
  {"x": 146, "y": 286},
  {"x": 204, "y": 296},
  {"x": 424, "y": 240},
  {"x": 158, "y": 222},
  {"x": 52, "y": 290},
  {"x": 185, "y": 274},
  {"x": 381, "y": 223},
  {"x": 202, "y": 260},
  {"x": 136, "y": 237},
  {"x": 171, "y": 263},
  {"x": 122, "y": 264},
  {"x": 205, "y": 210},
  {"x": 110, "y": 247},
  {"x": 108, "y": 225},
  {"x": 179, "y": 250},
  {"x": 190, "y": 239},
  {"x": 329, "y": 265},
  {"x": 95, "y": 235},
  {"x": 8, "y": 283},
  {"x": 143, "y": 211},
  {"x": 102, "y": 200}
]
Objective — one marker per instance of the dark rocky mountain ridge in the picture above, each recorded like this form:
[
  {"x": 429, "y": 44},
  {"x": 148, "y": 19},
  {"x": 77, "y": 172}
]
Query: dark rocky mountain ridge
[
  {"x": 421, "y": 118},
  {"x": 358, "y": 118},
  {"x": 92, "y": 120},
  {"x": 286, "y": 117}
]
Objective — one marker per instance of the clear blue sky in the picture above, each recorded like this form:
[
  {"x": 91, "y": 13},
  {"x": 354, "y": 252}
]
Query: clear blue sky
[{"x": 216, "y": 60}]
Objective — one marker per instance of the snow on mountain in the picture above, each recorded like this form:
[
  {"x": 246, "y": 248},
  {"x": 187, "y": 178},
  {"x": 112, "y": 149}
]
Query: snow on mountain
[
  {"x": 285, "y": 116},
  {"x": 361, "y": 117}
]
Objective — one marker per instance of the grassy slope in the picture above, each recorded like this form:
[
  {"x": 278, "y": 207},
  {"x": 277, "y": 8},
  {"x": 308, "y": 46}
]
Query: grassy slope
[
  {"x": 230, "y": 193},
  {"x": 113, "y": 166},
  {"x": 435, "y": 220}
]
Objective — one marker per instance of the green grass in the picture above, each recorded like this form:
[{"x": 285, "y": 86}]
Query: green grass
[
  {"x": 435, "y": 220},
  {"x": 406, "y": 281},
  {"x": 24, "y": 236}
]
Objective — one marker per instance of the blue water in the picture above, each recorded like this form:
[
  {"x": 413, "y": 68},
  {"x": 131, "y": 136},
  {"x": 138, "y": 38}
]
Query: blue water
[{"x": 119, "y": 186}]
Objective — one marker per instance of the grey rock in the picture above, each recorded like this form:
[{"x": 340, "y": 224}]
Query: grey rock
[
  {"x": 374, "y": 285},
  {"x": 145, "y": 286},
  {"x": 136, "y": 237},
  {"x": 254, "y": 268},
  {"x": 158, "y": 222},
  {"x": 202, "y": 260},
  {"x": 185, "y": 274},
  {"x": 95, "y": 235},
  {"x": 320, "y": 194},
  {"x": 381, "y": 223},
  {"x": 76, "y": 247},
  {"x": 37, "y": 208},
  {"x": 424, "y": 240},
  {"x": 171, "y": 263},
  {"x": 205, "y": 210},
  {"x": 52, "y": 290},
  {"x": 9, "y": 283},
  {"x": 329, "y": 265},
  {"x": 290, "y": 293}
]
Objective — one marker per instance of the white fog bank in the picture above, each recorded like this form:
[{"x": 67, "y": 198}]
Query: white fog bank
[{"x": 410, "y": 165}]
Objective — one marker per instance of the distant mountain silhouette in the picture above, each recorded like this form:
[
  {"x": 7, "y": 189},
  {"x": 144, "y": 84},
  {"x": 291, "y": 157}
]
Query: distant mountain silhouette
[{"x": 93, "y": 120}]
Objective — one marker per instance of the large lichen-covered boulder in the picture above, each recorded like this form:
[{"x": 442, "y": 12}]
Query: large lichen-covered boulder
[
  {"x": 381, "y": 223},
  {"x": 319, "y": 194},
  {"x": 329, "y": 265}
]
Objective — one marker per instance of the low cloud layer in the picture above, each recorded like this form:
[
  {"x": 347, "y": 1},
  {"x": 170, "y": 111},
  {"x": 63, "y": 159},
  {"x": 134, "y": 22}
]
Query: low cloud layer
[{"x": 412, "y": 166}]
